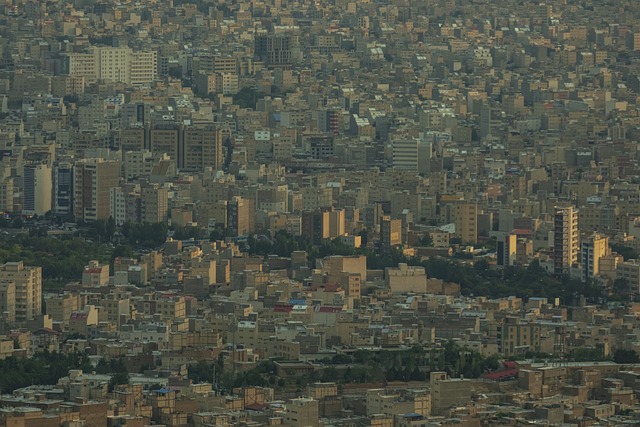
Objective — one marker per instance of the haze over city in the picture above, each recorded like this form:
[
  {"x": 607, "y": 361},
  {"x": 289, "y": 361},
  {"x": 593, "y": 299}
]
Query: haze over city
[{"x": 319, "y": 213}]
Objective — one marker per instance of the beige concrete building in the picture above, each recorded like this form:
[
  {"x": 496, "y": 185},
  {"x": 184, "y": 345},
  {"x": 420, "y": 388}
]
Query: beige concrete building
[
  {"x": 8, "y": 301},
  {"x": 566, "y": 240},
  {"x": 93, "y": 181},
  {"x": 95, "y": 274},
  {"x": 406, "y": 278},
  {"x": 60, "y": 307},
  {"x": 28, "y": 288},
  {"x": 202, "y": 148},
  {"x": 629, "y": 271},
  {"x": 321, "y": 390},
  {"x": 156, "y": 203},
  {"x": 379, "y": 401},
  {"x": 592, "y": 250},
  {"x": 390, "y": 234},
  {"x": 302, "y": 412},
  {"x": 465, "y": 217},
  {"x": 165, "y": 140},
  {"x": 115, "y": 64},
  {"x": 447, "y": 392},
  {"x": 519, "y": 337},
  {"x": 37, "y": 188}
]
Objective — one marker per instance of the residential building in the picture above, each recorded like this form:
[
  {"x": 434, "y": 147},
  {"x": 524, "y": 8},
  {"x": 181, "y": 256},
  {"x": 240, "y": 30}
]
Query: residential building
[
  {"x": 95, "y": 274},
  {"x": 390, "y": 234},
  {"x": 63, "y": 191},
  {"x": 28, "y": 288},
  {"x": 202, "y": 148},
  {"x": 465, "y": 217},
  {"x": 566, "y": 240},
  {"x": 93, "y": 180},
  {"x": 302, "y": 412},
  {"x": 8, "y": 301},
  {"x": 592, "y": 250},
  {"x": 38, "y": 188}
]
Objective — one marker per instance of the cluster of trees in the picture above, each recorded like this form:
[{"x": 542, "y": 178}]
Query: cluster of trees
[
  {"x": 263, "y": 375},
  {"x": 247, "y": 97},
  {"x": 626, "y": 356},
  {"x": 11, "y": 223},
  {"x": 102, "y": 230},
  {"x": 362, "y": 366},
  {"x": 145, "y": 234},
  {"x": 61, "y": 259},
  {"x": 525, "y": 282},
  {"x": 407, "y": 365},
  {"x": 47, "y": 367},
  {"x": 42, "y": 368},
  {"x": 283, "y": 244},
  {"x": 117, "y": 369},
  {"x": 474, "y": 278}
]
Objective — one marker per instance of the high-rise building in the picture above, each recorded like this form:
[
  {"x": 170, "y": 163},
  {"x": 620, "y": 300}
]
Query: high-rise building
[
  {"x": 116, "y": 64},
  {"x": 155, "y": 200},
  {"x": 329, "y": 121},
  {"x": 202, "y": 148},
  {"x": 465, "y": 217},
  {"x": 566, "y": 240},
  {"x": 278, "y": 49},
  {"x": 506, "y": 249},
  {"x": 629, "y": 271},
  {"x": 390, "y": 233},
  {"x": 412, "y": 155},
  {"x": 143, "y": 67},
  {"x": 166, "y": 139},
  {"x": 8, "y": 301},
  {"x": 240, "y": 215},
  {"x": 405, "y": 154},
  {"x": 28, "y": 288},
  {"x": 274, "y": 198},
  {"x": 132, "y": 139},
  {"x": 6, "y": 194},
  {"x": 37, "y": 187},
  {"x": 336, "y": 223},
  {"x": 592, "y": 249},
  {"x": 315, "y": 225},
  {"x": 117, "y": 207},
  {"x": 63, "y": 189},
  {"x": 93, "y": 180}
]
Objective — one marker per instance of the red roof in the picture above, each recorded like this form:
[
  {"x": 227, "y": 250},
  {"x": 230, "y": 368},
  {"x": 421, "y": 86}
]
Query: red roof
[
  {"x": 332, "y": 287},
  {"x": 501, "y": 375},
  {"x": 79, "y": 315},
  {"x": 283, "y": 308}
]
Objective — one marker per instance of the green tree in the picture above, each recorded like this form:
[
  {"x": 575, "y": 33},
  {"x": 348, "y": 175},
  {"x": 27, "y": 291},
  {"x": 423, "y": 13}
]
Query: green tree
[
  {"x": 110, "y": 228},
  {"x": 426, "y": 240},
  {"x": 118, "y": 378},
  {"x": 626, "y": 356}
]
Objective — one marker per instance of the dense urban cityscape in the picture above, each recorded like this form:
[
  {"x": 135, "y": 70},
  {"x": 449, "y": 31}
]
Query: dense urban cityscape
[{"x": 318, "y": 213}]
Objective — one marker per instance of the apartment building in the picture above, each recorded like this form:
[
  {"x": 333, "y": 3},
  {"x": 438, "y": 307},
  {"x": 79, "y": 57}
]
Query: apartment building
[
  {"x": 566, "y": 240},
  {"x": 116, "y": 64},
  {"x": 592, "y": 250},
  {"x": 93, "y": 181},
  {"x": 202, "y": 148},
  {"x": 28, "y": 288}
]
